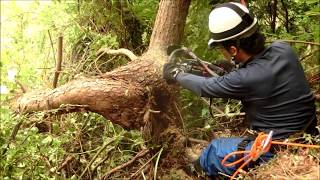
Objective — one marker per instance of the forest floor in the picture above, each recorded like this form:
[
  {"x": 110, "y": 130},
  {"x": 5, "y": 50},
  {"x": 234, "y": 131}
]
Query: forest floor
[
  {"x": 290, "y": 163},
  {"x": 86, "y": 146}
]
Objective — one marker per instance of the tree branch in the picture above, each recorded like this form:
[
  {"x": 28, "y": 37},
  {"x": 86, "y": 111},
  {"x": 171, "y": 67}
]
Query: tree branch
[
  {"x": 96, "y": 156},
  {"x": 120, "y": 51},
  {"x": 59, "y": 61},
  {"x": 229, "y": 114},
  {"x": 199, "y": 141},
  {"x": 212, "y": 106},
  {"x": 65, "y": 162},
  {"x": 297, "y": 41},
  {"x": 54, "y": 57},
  {"x": 13, "y": 135},
  {"x": 308, "y": 55},
  {"x": 107, "y": 156},
  {"x": 140, "y": 154},
  {"x": 22, "y": 86},
  {"x": 135, "y": 174}
]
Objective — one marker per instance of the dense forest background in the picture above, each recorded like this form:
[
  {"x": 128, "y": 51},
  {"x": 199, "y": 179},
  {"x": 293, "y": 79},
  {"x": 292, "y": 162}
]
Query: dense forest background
[{"x": 50, "y": 145}]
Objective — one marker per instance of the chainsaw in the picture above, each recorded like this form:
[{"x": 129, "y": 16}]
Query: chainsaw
[{"x": 190, "y": 63}]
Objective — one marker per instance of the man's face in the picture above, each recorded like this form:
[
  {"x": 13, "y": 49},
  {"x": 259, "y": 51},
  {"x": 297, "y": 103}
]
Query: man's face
[
  {"x": 225, "y": 53},
  {"x": 232, "y": 54}
]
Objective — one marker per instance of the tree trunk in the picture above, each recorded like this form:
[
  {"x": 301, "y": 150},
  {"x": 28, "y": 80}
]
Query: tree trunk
[
  {"x": 286, "y": 15},
  {"x": 169, "y": 25},
  {"x": 274, "y": 4},
  {"x": 134, "y": 96}
]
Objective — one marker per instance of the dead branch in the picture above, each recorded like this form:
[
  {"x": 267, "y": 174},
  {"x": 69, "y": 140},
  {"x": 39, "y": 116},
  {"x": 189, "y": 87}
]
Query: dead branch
[
  {"x": 95, "y": 63},
  {"x": 229, "y": 114},
  {"x": 308, "y": 55},
  {"x": 59, "y": 61},
  {"x": 65, "y": 162},
  {"x": 45, "y": 159},
  {"x": 13, "y": 135},
  {"x": 67, "y": 108},
  {"x": 212, "y": 106},
  {"x": 296, "y": 41},
  {"x": 107, "y": 156},
  {"x": 120, "y": 51},
  {"x": 54, "y": 57},
  {"x": 15, "y": 130},
  {"x": 181, "y": 118},
  {"x": 140, "y": 154},
  {"x": 22, "y": 86},
  {"x": 198, "y": 141},
  {"x": 135, "y": 174},
  {"x": 96, "y": 155}
]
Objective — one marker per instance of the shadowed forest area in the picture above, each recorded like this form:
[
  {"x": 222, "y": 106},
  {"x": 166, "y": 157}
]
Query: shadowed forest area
[{"x": 82, "y": 93}]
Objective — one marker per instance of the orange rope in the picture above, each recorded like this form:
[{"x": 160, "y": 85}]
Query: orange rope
[{"x": 259, "y": 147}]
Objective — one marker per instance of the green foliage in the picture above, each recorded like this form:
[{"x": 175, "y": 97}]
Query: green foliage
[
  {"x": 35, "y": 154},
  {"x": 26, "y": 155},
  {"x": 21, "y": 50},
  {"x": 197, "y": 31},
  {"x": 42, "y": 144}
]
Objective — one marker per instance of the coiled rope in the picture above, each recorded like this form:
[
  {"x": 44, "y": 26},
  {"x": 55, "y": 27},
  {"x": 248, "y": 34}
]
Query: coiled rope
[{"x": 261, "y": 145}]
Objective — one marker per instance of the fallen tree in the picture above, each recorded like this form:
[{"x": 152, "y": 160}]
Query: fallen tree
[{"x": 134, "y": 96}]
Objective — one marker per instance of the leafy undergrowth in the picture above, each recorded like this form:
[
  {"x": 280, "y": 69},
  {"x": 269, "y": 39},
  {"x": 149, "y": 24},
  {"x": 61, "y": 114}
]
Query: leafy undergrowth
[{"x": 87, "y": 146}]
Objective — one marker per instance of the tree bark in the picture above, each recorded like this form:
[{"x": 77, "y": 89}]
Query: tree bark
[
  {"x": 286, "y": 15},
  {"x": 134, "y": 96},
  {"x": 169, "y": 25},
  {"x": 274, "y": 4}
]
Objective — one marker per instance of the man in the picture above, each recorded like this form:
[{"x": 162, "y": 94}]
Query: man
[{"x": 270, "y": 84}]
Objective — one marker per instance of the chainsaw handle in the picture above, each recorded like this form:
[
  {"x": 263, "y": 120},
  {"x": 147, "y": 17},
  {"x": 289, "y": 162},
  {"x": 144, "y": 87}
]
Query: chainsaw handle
[
  {"x": 212, "y": 69},
  {"x": 202, "y": 63},
  {"x": 174, "y": 53}
]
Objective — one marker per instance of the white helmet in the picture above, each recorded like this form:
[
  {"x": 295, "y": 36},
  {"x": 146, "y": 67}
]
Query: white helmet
[{"x": 230, "y": 20}]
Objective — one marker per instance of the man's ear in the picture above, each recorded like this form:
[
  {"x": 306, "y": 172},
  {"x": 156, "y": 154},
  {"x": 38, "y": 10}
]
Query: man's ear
[{"x": 233, "y": 51}]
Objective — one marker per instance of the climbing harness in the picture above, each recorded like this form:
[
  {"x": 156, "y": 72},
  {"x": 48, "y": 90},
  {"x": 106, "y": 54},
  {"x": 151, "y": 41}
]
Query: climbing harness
[{"x": 260, "y": 146}]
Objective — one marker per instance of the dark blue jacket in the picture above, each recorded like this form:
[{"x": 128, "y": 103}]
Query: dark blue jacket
[{"x": 271, "y": 86}]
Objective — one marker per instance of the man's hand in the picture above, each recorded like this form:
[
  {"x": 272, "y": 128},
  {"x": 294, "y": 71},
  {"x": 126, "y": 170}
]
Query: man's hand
[
  {"x": 170, "y": 72},
  {"x": 221, "y": 67},
  {"x": 225, "y": 65}
]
